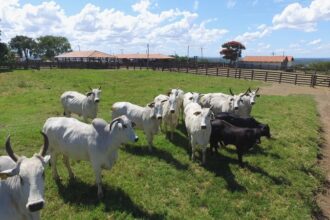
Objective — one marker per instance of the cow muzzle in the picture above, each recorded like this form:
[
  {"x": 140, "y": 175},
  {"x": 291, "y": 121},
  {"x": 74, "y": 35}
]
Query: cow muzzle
[
  {"x": 159, "y": 117},
  {"x": 172, "y": 111},
  {"x": 235, "y": 108},
  {"x": 36, "y": 206},
  {"x": 136, "y": 138},
  {"x": 203, "y": 126},
  {"x": 252, "y": 103},
  {"x": 97, "y": 101}
]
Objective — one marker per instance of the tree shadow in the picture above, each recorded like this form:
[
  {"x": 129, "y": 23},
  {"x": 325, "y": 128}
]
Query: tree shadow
[
  {"x": 156, "y": 152},
  {"x": 115, "y": 199}
]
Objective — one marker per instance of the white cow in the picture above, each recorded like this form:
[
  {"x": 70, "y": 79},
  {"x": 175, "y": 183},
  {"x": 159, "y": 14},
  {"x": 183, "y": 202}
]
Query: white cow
[
  {"x": 97, "y": 142},
  {"x": 248, "y": 100},
  {"x": 83, "y": 105},
  {"x": 198, "y": 125},
  {"x": 171, "y": 110},
  {"x": 222, "y": 102},
  {"x": 22, "y": 186},
  {"x": 190, "y": 97},
  {"x": 146, "y": 118}
]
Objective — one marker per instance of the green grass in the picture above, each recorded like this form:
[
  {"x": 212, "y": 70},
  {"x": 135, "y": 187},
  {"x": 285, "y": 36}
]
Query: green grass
[{"x": 278, "y": 181}]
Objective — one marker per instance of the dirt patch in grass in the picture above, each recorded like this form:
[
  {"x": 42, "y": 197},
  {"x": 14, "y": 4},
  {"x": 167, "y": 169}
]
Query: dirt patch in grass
[{"x": 322, "y": 97}]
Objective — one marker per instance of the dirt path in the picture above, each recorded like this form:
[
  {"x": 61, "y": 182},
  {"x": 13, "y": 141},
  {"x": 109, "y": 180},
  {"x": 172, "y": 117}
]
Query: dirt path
[{"x": 322, "y": 96}]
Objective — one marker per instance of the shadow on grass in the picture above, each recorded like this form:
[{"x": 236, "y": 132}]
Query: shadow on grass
[
  {"x": 156, "y": 152},
  {"x": 115, "y": 199},
  {"x": 219, "y": 165},
  {"x": 255, "y": 150}
]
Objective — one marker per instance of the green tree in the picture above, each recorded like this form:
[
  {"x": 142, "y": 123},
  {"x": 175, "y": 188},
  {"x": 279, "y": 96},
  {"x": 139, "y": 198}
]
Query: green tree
[
  {"x": 24, "y": 45},
  {"x": 51, "y": 46},
  {"x": 232, "y": 50}
]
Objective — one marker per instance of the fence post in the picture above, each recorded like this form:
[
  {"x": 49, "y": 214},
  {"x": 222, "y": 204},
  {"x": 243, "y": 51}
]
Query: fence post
[
  {"x": 217, "y": 71},
  {"x": 295, "y": 81},
  {"x": 239, "y": 73},
  {"x": 266, "y": 76},
  {"x": 252, "y": 74},
  {"x": 206, "y": 68},
  {"x": 187, "y": 70},
  {"x": 280, "y": 78},
  {"x": 227, "y": 72}
]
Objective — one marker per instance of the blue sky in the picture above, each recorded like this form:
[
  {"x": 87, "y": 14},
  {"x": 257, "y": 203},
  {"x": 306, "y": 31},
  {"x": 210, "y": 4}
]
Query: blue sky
[{"x": 298, "y": 28}]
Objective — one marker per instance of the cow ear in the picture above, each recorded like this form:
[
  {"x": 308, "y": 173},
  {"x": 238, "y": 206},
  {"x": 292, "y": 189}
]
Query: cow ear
[
  {"x": 89, "y": 93},
  {"x": 197, "y": 113},
  {"x": 46, "y": 159},
  {"x": 164, "y": 100},
  {"x": 9, "y": 173},
  {"x": 169, "y": 93},
  {"x": 151, "y": 105}
]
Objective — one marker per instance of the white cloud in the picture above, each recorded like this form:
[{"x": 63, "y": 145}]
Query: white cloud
[
  {"x": 246, "y": 37},
  {"x": 295, "y": 16},
  {"x": 315, "y": 42},
  {"x": 231, "y": 3},
  {"x": 196, "y": 5},
  {"x": 141, "y": 6},
  {"x": 109, "y": 29}
]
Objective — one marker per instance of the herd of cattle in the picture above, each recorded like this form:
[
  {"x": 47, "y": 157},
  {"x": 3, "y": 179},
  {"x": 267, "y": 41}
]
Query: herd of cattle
[{"x": 210, "y": 119}]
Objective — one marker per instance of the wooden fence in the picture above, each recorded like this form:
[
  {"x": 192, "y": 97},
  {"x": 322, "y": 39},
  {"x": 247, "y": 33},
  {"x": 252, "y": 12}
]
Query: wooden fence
[{"x": 212, "y": 69}]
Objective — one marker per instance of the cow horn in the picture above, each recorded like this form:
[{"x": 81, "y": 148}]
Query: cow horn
[
  {"x": 231, "y": 92},
  {"x": 115, "y": 120},
  {"x": 44, "y": 148},
  {"x": 100, "y": 87},
  {"x": 249, "y": 89},
  {"x": 90, "y": 88},
  {"x": 10, "y": 151},
  {"x": 257, "y": 89}
]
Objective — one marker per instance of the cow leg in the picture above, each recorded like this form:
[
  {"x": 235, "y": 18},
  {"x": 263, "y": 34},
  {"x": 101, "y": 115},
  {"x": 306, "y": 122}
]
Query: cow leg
[
  {"x": 240, "y": 158},
  {"x": 98, "y": 180},
  {"x": 172, "y": 130},
  {"x": 55, "y": 175},
  {"x": 193, "y": 148},
  {"x": 204, "y": 155},
  {"x": 150, "y": 138},
  {"x": 67, "y": 164}
]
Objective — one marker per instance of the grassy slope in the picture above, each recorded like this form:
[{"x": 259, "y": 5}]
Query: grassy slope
[{"x": 277, "y": 182}]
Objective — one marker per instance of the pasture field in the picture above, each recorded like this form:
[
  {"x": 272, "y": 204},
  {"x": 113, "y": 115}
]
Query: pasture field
[{"x": 279, "y": 181}]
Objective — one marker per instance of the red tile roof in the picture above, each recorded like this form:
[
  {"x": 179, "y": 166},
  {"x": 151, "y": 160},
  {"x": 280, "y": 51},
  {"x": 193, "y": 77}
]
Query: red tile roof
[
  {"x": 85, "y": 54},
  {"x": 143, "y": 56},
  {"x": 267, "y": 59}
]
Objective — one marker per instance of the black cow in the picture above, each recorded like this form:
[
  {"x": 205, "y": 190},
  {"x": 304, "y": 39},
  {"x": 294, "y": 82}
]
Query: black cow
[
  {"x": 225, "y": 133},
  {"x": 247, "y": 122}
]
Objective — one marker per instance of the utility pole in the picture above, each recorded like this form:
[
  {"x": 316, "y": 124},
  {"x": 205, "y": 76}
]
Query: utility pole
[
  {"x": 147, "y": 56},
  {"x": 202, "y": 52},
  {"x": 188, "y": 54}
]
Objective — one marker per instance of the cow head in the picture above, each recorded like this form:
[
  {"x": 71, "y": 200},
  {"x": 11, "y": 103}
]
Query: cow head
[
  {"x": 95, "y": 94},
  {"x": 253, "y": 94},
  {"x": 206, "y": 115},
  {"x": 173, "y": 97},
  {"x": 156, "y": 109},
  {"x": 124, "y": 129},
  {"x": 29, "y": 174}
]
